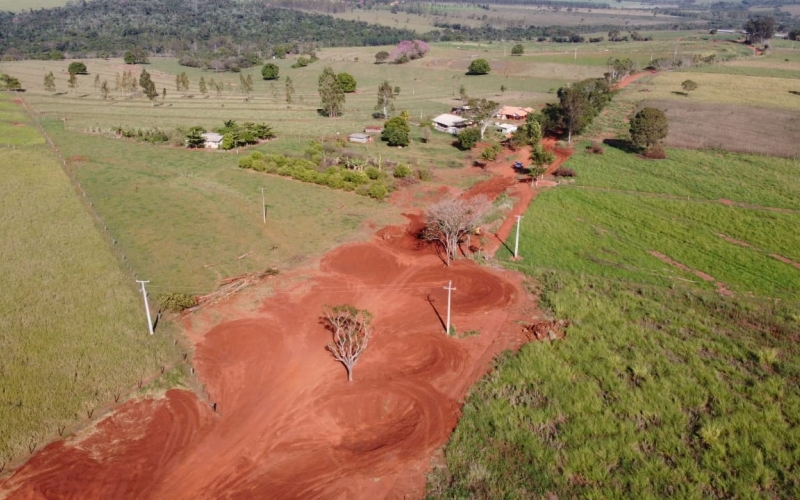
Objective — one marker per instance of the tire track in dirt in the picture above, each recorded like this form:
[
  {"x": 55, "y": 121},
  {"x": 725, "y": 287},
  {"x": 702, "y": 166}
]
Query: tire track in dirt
[{"x": 287, "y": 423}]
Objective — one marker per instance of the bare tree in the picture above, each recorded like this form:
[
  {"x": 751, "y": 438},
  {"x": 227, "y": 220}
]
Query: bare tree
[
  {"x": 449, "y": 222},
  {"x": 351, "y": 333}
]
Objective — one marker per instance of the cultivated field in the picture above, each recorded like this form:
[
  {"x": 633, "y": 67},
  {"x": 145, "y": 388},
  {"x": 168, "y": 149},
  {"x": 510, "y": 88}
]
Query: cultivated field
[
  {"x": 72, "y": 329},
  {"x": 680, "y": 365},
  {"x": 503, "y": 16}
]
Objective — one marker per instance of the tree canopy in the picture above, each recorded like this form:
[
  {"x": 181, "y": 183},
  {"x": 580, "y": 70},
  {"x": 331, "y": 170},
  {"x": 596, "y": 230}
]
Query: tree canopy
[
  {"x": 649, "y": 127},
  {"x": 270, "y": 71},
  {"x": 386, "y": 96},
  {"x": 212, "y": 28},
  {"x": 396, "y": 132},
  {"x": 77, "y": 68},
  {"x": 479, "y": 67},
  {"x": 331, "y": 93},
  {"x": 760, "y": 28},
  {"x": 517, "y": 50},
  {"x": 347, "y": 82}
]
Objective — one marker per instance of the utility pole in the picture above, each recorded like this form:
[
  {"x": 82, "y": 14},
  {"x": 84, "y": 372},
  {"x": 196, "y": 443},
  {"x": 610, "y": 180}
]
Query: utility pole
[
  {"x": 146, "y": 306},
  {"x": 263, "y": 205},
  {"x": 516, "y": 242},
  {"x": 449, "y": 289}
]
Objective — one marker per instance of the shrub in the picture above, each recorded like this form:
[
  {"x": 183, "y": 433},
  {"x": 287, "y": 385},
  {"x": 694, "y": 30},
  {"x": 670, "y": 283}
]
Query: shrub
[
  {"x": 270, "y": 71},
  {"x": 479, "y": 67},
  {"x": 424, "y": 174},
  {"x": 246, "y": 162},
  {"x": 564, "y": 172},
  {"x": 595, "y": 148},
  {"x": 177, "y": 302},
  {"x": 346, "y": 82},
  {"x": 468, "y": 138},
  {"x": 402, "y": 171},
  {"x": 77, "y": 68},
  {"x": 656, "y": 152},
  {"x": 379, "y": 191},
  {"x": 373, "y": 172}
]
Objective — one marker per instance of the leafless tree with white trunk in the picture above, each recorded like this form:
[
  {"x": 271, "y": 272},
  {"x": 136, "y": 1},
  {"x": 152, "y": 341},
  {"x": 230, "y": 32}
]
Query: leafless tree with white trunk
[
  {"x": 449, "y": 222},
  {"x": 351, "y": 330}
]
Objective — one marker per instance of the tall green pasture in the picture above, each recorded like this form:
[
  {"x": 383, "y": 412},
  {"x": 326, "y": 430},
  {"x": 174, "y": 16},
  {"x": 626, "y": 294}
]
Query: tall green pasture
[
  {"x": 668, "y": 383},
  {"x": 72, "y": 329},
  {"x": 186, "y": 219}
]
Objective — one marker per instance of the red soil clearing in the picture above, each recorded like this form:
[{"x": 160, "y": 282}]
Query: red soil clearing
[
  {"x": 287, "y": 422},
  {"x": 632, "y": 78}
]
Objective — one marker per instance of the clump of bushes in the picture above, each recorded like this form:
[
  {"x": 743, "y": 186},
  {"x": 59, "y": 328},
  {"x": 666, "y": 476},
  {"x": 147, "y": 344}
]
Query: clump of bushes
[
  {"x": 564, "y": 172},
  {"x": 177, "y": 302},
  {"x": 152, "y": 135},
  {"x": 369, "y": 181},
  {"x": 490, "y": 152},
  {"x": 235, "y": 135},
  {"x": 402, "y": 171}
]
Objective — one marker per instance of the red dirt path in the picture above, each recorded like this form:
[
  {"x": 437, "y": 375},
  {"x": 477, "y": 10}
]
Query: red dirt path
[{"x": 288, "y": 424}]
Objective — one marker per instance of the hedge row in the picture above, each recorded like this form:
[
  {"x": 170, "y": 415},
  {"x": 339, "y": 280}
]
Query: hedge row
[{"x": 370, "y": 182}]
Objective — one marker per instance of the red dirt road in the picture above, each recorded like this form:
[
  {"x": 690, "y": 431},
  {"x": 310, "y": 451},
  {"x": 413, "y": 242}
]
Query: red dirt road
[{"x": 288, "y": 424}]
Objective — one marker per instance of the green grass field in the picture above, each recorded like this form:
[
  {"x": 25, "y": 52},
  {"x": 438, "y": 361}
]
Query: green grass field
[
  {"x": 662, "y": 387},
  {"x": 184, "y": 218},
  {"x": 72, "y": 329}
]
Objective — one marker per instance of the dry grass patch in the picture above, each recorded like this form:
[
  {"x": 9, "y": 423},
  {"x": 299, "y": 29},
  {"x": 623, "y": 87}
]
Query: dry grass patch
[
  {"x": 753, "y": 91},
  {"x": 725, "y": 126}
]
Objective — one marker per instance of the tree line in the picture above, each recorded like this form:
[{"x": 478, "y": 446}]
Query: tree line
[{"x": 221, "y": 28}]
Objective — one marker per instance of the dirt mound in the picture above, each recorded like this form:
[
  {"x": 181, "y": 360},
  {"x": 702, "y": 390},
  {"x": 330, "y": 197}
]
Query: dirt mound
[{"x": 365, "y": 261}]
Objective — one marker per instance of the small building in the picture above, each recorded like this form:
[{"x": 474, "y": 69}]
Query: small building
[
  {"x": 360, "y": 138},
  {"x": 506, "y": 128},
  {"x": 451, "y": 124},
  {"x": 373, "y": 129},
  {"x": 513, "y": 113},
  {"x": 213, "y": 140}
]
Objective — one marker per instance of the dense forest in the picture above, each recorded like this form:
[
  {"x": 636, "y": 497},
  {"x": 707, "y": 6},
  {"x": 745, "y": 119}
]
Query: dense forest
[{"x": 174, "y": 27}]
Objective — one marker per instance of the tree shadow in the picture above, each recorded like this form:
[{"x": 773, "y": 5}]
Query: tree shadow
[
  {"x": 624, "y": 146},
  {"x": 684, "y": 94},
  {"x": 795, "y": 92},
  {"x": 430, "y": 301}
]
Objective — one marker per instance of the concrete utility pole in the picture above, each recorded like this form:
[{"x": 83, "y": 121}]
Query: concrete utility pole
[
  {"x": 263, "y": 205},
  {"x": 516, "y": 241},
  {"x": 449, "y": 289},
  {"x": 146, "y": 306}
]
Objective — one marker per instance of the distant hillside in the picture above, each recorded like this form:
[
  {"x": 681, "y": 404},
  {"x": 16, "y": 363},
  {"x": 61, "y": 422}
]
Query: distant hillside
[{"x": 110, "y": 27}]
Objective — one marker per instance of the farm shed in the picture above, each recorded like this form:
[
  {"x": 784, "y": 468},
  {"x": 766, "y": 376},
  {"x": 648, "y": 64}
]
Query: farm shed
[
  {"x": 360, "y": 137},
  {"x": 506, "y": 128},
  {"x": 449, "y": 123},
  {"x": 373, "y": 129},
  {"x": 213, "y": 140}
]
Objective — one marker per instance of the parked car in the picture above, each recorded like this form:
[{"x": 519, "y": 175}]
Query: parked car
[{"x": 517, "y": 165}]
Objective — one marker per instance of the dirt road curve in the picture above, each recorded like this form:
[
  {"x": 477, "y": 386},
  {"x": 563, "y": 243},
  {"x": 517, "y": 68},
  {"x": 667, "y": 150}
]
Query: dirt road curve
[{"x": 288, "y": 424}]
